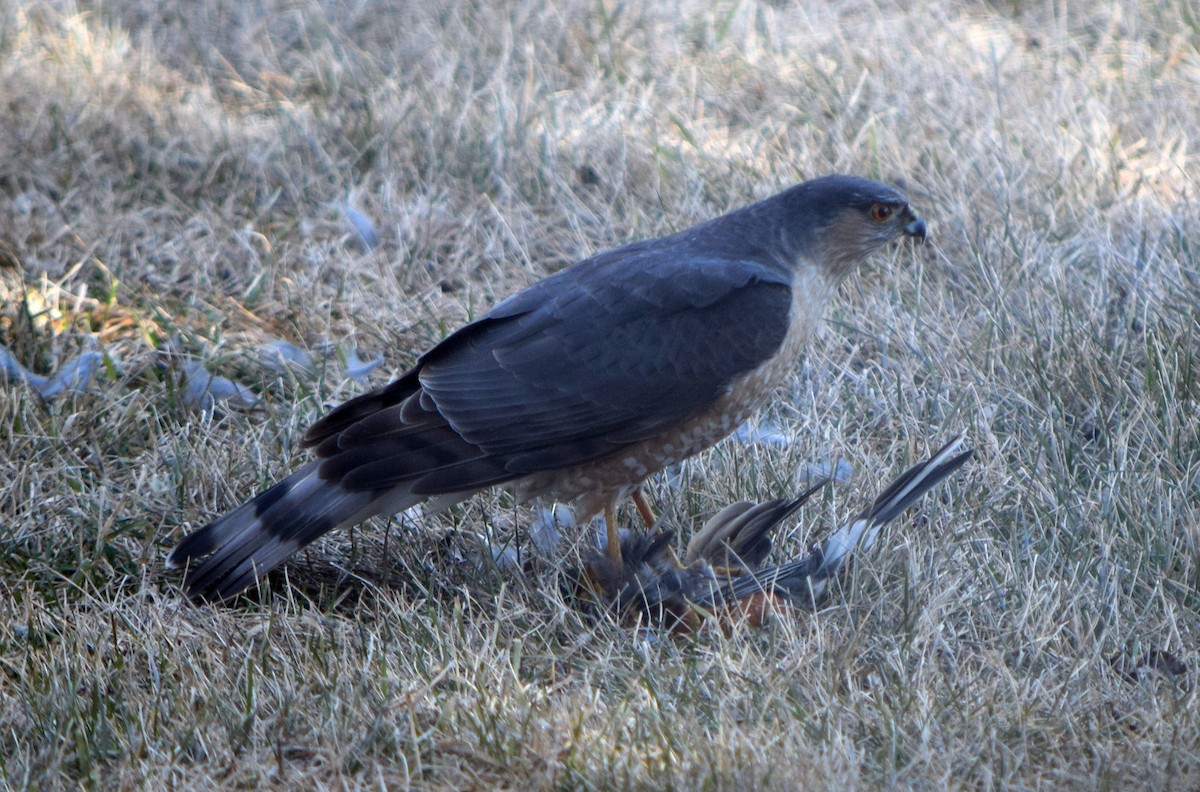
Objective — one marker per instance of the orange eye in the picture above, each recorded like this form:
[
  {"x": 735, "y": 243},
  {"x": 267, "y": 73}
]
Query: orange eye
[{"x": 880, "y": 212}]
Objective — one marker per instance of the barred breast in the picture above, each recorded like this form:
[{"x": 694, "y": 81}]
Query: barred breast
[{"x": 592, "y": 487}]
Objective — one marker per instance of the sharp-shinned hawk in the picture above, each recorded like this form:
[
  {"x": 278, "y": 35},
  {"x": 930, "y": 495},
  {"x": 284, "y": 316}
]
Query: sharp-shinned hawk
[{"x": 580, "y": 386}]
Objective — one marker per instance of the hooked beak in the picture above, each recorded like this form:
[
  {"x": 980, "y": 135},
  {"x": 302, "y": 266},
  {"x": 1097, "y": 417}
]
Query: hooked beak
[{"x": 915, "y": 227}]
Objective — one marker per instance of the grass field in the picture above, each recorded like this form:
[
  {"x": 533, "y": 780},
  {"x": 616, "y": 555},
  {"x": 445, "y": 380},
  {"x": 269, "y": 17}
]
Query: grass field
[{"x": 180, "y": 182}]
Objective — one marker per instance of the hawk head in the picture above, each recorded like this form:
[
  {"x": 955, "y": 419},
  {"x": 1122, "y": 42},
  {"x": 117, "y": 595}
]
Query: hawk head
[{"x": 834, "y": 222}]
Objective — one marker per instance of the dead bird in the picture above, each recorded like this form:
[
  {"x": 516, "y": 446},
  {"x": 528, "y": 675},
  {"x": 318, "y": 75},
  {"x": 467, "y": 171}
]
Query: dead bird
[{"x": 723, "y": 576}]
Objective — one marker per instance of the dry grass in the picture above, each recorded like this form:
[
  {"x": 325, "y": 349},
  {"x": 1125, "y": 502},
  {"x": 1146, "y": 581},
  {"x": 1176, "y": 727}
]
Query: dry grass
[{"x": 169, "y": 177}]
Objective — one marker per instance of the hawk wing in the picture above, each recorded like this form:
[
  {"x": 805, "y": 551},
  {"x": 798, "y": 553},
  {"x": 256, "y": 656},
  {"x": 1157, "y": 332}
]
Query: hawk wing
[{"x": 578, "y": 366}]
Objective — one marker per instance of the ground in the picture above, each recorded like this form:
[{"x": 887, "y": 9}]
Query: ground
[{"x": 183, "y": 183}]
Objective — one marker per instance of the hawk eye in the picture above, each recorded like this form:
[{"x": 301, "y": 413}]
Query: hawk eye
[{"x": 880, "y": 212}]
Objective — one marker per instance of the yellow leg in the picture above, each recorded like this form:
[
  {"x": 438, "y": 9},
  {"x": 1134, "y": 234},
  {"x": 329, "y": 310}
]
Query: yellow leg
[
  {"x": 614, "y": 535},
  {"x": 643, "y": 507},
  {"x": 639, "y": 500}
]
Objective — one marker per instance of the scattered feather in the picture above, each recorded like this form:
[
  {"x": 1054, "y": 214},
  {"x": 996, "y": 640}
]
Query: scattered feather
[
  {"x": 203, "y": 391},
  {"x": 361, "y": 226},
  {"x": 839, "y": 471},
  {"x": 15, "y": 372},
  {"x": 280, "y": 355},
  {"x": 672, "y": 477},
  {"x": 546, "y": 531},
  {"x": 763, "y": 433},
  {"x": 357, "y": 368},
  {"x": 75, "y": 376},
  {"x": 505, "y": 557}
]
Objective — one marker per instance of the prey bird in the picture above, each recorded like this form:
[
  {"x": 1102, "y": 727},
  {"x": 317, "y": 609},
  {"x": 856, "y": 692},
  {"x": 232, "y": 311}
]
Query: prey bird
[
  {"x": 722, "y": 574},
  {"x": 580, "y": 386}
]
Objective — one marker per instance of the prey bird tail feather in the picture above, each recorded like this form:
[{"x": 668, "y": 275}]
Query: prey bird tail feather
[
  {"x": 808, "y": 578},
  {"x": 740, "y": 534}
]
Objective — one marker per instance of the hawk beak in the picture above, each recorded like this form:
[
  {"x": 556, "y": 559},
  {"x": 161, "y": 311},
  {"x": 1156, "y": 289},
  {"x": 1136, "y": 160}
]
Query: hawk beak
[{"x": 916, "y": 228}]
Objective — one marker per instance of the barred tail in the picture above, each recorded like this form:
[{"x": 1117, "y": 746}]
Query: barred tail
[{"x": 260, "y": 534}]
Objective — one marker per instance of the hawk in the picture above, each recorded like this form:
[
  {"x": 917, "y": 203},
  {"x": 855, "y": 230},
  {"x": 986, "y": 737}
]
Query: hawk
[{"x": 580, "y": 386}]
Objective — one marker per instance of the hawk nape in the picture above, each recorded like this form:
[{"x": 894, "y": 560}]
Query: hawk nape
[{"x": 579, "y": 387}]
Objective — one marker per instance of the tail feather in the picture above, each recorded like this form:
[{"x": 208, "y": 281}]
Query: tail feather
[
  {"x": 258, "y": 536},
  {"x": 740, "y": 534},
  {"x": 808, "y": 577}
]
